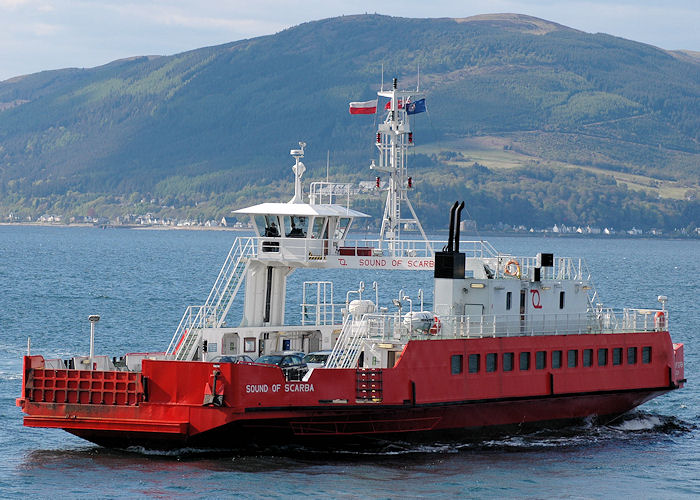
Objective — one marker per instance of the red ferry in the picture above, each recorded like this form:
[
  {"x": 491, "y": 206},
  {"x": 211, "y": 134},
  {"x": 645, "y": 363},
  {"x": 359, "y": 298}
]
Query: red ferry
[{"x": 509, "y": 340}]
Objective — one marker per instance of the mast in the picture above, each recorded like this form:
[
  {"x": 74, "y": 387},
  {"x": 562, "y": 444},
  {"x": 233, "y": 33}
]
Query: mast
[{"x": 394, "y": 137}]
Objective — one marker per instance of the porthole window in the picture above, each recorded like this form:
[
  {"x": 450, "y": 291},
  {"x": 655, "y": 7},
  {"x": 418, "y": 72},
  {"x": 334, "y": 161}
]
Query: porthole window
[
  {"x": 456, "y": 364},
  {"x": 541, "y": 360},
  {"x": 474, "y": 363},
  {"x": 508, "y": 358},
  {"x": 491, "y": 362},
  {"x": 556, "y": 359},
  {"x": 617, "y": 356},
  {"x": 524, "y": 360}
]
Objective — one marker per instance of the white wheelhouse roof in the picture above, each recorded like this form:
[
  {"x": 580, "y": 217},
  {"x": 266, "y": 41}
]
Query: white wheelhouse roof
[{"x": 300, "y": 210}]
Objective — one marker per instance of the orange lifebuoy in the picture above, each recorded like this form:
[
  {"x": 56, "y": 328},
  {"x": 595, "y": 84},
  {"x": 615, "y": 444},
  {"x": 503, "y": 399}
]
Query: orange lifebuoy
[
  {"x": 512, "y": 268},
  {"x": 660, "y": 320},
  {"x": 436, "y": 327}
]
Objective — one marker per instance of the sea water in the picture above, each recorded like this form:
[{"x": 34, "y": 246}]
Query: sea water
[{"x": 140, "y": 281}]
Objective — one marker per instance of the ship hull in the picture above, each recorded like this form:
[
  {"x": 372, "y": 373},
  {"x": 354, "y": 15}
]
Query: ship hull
[
  {"x": 333, "y": 429},
  {"x": 174, "y": 404}
]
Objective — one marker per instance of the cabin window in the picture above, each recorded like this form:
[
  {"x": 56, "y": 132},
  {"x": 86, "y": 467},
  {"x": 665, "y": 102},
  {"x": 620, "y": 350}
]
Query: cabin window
[
  {"x": 541, "y": 360},
  {"x": 572, "y": 358},
  {"x": 508, "y": 358},
  {"x": 631, "y": 355},
  {"x": 474, "y": 363},
  {"x": 456, "y": 364},
  {"x": 602, "y": 357},
  {"x": 341, "y": 228},
  {"x": 268, "y": 225},
  {"x": 556, "y": 359},
  {"x": 509, "y": 300},
  {"x": 249, "y": 344},
  {"x": 295, "y": 226},
  {"x": 317, "y": 229},
  {"x": 646, "y": 355},
  {"x": 561, "y": 300},
  {"x": 588, "y": 357},
  {"x": 617, "y": 356},
  {"x": 524, "y": 360},
  {"x": 491, "y": 362}
]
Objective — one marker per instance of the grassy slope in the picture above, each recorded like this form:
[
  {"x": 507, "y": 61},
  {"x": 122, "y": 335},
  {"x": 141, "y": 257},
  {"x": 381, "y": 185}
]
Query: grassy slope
[{"x": 197, "y": 127}]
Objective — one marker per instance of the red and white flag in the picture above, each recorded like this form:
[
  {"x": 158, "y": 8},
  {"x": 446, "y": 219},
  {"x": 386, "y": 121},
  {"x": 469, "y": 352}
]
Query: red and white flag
[
  {"x": 363, "y": 108},
  {"x": 388, "y": 104}
]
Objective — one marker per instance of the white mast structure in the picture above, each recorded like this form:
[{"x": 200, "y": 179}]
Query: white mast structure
[{"x": 394, "y": 136}]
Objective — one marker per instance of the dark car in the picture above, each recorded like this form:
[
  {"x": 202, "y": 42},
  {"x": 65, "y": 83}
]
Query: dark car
[
  {"x": 232, "y": 358},
  {"x": 290, "y": 362}
]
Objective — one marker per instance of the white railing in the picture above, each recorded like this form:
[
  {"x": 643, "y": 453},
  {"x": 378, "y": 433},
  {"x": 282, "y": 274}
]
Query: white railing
[
  {"x": 312, "y": 249},
  {"x": 188, "y": 333},
  {"x": 395, "y": 328},
  {"x": 229, "y": 280},
  {"x": 564, "y": 268},
  {"x": 346, "y": 350}
]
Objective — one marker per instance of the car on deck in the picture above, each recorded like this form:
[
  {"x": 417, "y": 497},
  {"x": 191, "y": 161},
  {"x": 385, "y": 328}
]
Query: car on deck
[{"x": 291, "y": 363}]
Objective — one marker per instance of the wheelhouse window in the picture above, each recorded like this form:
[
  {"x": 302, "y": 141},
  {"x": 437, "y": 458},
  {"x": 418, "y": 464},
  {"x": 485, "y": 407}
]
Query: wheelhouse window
[
  {"x": 491, "y": 362},
  {"x": 268, "y": 225},
  {"x": 631, "y": 355},
  {"x": 295, "y": 226},
  {"x": 508, "y": 358},
  {"x": 341, "y": 228},
  {"x": 602, "y": 357},
  {"x": 646, "y": 355},
  {"x": 540, "y": 360},
  {"x": 617, "y": 356},
  {"x": 524, "y": 361},
  {"x": 457, "y": 364},
  {"x": 556, "y": 359},
  {"x": 474, "y": 363},
  {"x": 588, "y": 357},
  {"x": 317, "y": 230},
  {"x": 572, "y": 358}
]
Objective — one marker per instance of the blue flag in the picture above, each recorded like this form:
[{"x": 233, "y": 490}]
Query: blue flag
[{"x": 415, "y": 107}]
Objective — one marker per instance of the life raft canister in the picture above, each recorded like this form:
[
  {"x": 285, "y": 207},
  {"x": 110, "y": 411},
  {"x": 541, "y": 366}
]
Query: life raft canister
[{"x": 660, "y": 320}]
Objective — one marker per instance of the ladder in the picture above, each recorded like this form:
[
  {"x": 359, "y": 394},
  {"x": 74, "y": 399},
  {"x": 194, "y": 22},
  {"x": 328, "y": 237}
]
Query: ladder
[
  {"x": 229, "y": 281},
  {"x": 347, "y": 349},
  {"x": 212, "y": 314}
]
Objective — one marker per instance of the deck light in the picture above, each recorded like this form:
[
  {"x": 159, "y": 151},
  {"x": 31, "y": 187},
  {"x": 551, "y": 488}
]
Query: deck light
[{"x": 93, "y": 318}]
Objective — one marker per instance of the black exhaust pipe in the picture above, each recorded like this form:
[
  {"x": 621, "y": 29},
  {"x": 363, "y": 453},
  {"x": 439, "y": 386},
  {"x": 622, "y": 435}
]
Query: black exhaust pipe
[
  {"x": 449, "y": 247},
  {"x": 458, "y": 222}
]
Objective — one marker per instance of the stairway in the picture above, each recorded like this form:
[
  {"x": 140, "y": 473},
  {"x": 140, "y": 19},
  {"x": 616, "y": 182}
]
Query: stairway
[{"x": 212, "y": 314}]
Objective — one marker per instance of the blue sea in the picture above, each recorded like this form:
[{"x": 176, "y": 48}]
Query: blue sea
[{"x": 140, "y": 281}]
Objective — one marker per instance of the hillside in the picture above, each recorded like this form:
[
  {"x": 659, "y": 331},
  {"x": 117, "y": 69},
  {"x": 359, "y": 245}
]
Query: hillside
[{"x": 210, "y": 129}]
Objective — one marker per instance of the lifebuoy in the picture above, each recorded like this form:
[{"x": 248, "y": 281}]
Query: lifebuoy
[
  {"x": 512, "y": 268},
  {"x": 660, "y": 320},
  {"x": 436, "y": 327}
]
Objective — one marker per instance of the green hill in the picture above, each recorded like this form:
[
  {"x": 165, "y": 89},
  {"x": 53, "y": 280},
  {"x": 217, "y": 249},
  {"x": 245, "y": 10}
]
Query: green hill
[{"x": 576, "y": 115}]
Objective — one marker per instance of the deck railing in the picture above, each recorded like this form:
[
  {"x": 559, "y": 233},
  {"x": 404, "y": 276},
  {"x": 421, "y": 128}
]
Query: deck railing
[{"x": 395, "y": 328}]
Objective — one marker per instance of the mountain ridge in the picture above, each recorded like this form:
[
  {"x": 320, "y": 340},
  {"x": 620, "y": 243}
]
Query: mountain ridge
[{"x": 195, "y": 128}]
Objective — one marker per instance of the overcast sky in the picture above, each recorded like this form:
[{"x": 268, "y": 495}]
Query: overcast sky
[{"x": 36, "y": 35}]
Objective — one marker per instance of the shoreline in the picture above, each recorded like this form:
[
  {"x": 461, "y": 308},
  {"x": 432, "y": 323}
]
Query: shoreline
[{"x": 472, "y": 236}]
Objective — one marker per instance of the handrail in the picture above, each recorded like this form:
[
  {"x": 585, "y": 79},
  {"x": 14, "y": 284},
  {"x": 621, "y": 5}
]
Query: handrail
[{"x": 392, "y": 328}]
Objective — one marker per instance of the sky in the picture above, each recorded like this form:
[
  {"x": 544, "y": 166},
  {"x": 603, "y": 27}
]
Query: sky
[{"x": 37, "y": 35}]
